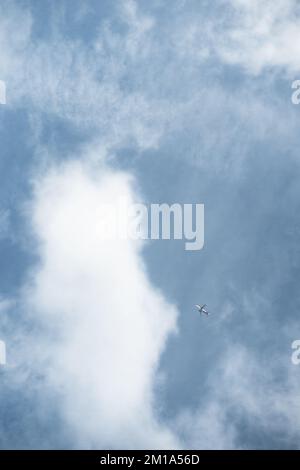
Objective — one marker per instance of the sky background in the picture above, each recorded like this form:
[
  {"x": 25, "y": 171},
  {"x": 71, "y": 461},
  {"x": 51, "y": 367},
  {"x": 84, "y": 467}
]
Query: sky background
[{"x": 165, "y": 101}]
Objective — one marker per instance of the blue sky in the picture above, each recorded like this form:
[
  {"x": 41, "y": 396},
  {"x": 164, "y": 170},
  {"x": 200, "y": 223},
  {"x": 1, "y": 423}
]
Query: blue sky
[{"x": 164, "y": 101}]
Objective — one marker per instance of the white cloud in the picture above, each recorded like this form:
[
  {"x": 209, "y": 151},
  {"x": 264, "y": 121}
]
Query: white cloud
[
  {"x": 242, "y": 388},
  {"x": 85, "y": 84},
  {"x": 15, "y": 28},
  {"x": 109, "y": 324},
  {"x": 5, "y": 304},
  {"x": 257, "y": 35},
  {"x": 262, "y": 34},
  {"x": 206, "y": 428},
  {"x": 119, "y": 88}
]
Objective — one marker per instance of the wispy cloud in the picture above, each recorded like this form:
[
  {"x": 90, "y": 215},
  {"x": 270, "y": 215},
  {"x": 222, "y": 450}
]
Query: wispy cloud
[
  {"x": 242, "y": 394},
  {"x": 262, "y": 35}
]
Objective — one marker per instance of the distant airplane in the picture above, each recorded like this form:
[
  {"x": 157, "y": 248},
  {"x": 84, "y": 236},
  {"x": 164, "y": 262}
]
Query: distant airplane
[{"x": 201, "y": 309}]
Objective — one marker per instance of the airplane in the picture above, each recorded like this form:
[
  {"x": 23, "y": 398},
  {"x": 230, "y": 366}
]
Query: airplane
[{"x": 201, "y": 309}]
